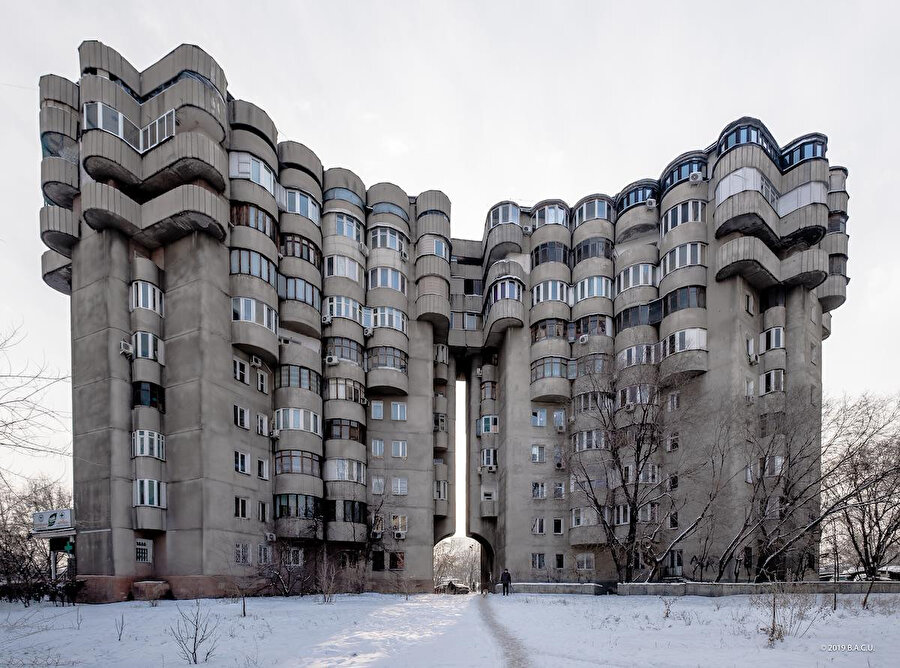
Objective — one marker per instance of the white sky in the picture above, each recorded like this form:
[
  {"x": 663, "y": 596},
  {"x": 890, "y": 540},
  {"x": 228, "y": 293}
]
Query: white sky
[{"x": 488, "y": 101}]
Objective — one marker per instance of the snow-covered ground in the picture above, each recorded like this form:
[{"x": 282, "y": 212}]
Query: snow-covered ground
[{"x": 427, "y": 630}]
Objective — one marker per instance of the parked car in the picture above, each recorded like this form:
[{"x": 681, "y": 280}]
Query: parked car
[{"x": 450, "y": 586}]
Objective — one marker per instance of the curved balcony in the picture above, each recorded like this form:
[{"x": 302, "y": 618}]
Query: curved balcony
[
  {"x": 95, "y": 54},
  {"x": 593, "y": 534},
  {"x": 551, "y": 390},
  {"x": 56, "y": 271},
  {"x": 679, "y": 278},
  {"x": 684, "y": 233},
  {"x": 198, "y": 108},
  {"x": 180, "y": 212},
  {"x": 832, "y": 293},
  {"x": 488, "y": 509},
  {"x": 504, "y": 268},
  {"x": 391, "y": 194},
  {"x": 59, "y": 229},
  {"x": 555, "y": 347},
  {"x": 749, "y": 213},
  {"x": 297, "y": 155},
  {"x": 639, "y": 220},
  {"x": 59, "y": 181},
  {"x": 501, "y": 241},
  {"x": 148, "y": 518},
  {"x": 441, "y": 440},
  {"x": 433, "y": 200},
  {"x": 338, "y": 177},
  {"x": 106, "y": 157},
  {"x": 434, "y": 224},
  {"x": 751, "y": 258},
  {"x": 441, "y": 507},
  {"x": 826, "y": 325},
  {"x": 808, "y": 268},
  {"x": 291, "y": 177},
  {"x": 553, "y": 232},
  {"x": 255, "y": 339},
  {"x": 246, "y": 115},
  {"x": 54, "y": 88},
  {"x": 103, "y": 206},
  {"x": 183, "y": 159},
  {"x": 146, "y": 370},
  {"x": 838, "y": 202},
  {"x": 503, "y": 314},
  {"x": 679, "y": 367},
  {"x": 296, "y": 439},
  {"x": 596, "y": 227},
  {"x": 61, "y": 122},
  {"x": 299, "y": 483},
  {"x": 346, "y": 532},
  {"x": 804, "y": 227},
  {"x": 296, "y": 527},
  {"x": 249, "y": 141},
  {"x": 441, "y": 373},
  {"x": 300, "y": 317},
  {"x": 387, "y": 381}
]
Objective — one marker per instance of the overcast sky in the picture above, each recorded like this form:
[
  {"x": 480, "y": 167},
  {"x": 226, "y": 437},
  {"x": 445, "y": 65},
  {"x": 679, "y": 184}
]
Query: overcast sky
[{"x": 489, "y": 101}]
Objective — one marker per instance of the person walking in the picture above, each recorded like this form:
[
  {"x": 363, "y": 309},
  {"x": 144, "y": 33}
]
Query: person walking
[{"x": 505, "y": 580}]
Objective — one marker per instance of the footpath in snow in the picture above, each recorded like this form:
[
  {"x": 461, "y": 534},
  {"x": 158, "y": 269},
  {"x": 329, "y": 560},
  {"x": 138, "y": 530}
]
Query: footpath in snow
[{"x": 428, "y": 630}]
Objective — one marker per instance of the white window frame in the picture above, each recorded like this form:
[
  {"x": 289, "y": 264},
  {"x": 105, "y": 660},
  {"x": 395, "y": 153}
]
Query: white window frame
[
  {"x": 398, "y": 411},
  {"x": 146, "y": 545},
  {"x": 378, "y": 447},
  {"x": 538, "y": 454},
  {"x": 240, "y": 370},
  {"x": 242, "y": 462},
  {"x": 377, "y": 410},
  {"x": 399, "y": 485},
  {"x": 399, "y": 449}
]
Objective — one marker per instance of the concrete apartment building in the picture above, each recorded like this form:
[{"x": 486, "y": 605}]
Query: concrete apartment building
[{"x": 265, "y": 351}]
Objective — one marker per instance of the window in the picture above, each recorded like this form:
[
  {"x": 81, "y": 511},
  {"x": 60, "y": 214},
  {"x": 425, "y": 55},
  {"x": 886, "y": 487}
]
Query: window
[
  {"x": 635, "y": 196},
  {"x": 239, "y": 370},
  {"x": 551, "y": 328},
  {"x": 635, "y": 276},
  {"x": 592, "y": 247},
  {"x": 489, "y": 457},
  {"x": 301, "y": 419},
  {"x": 488, "y": 390},
  {"x": 143, "y": 551},
  {"x": 550, "y": 291},
  {"x": 749, "y": 134},
  {"x": 749, "y": 389},
  {"x": 255, "y": 264},
  {"x": 377, "y": 447},
  {"x": 692, "y": 296},
  {"x": 246, "y": 309},
  {"x": 344, "y": 349},
  {"x": 398, "y": 449},
  {"x": 387, "y": 316},
  {"x": 649, "y": 473},
  {"x": 771, "y": 338},
  {"x": 398, "y": 410},
  {"x": 377, "y": 410},
  {"x": 344, "y": 429},
  {"x": 505, "y": 288},
  {"x": 748, "y": 303},
  {"x": 148, "y": 394},
  {"x": 356, "y": 512},
  {"x": 241, "y": 464},
  {"x": 399, "y": 523},
  {"x": 592, "y": 439},
  {"x": 149, "y": 493},
  {"x": 503, "y": 214},
  {"x": 591, "y": 210},
  {"x": 386, "y": 357},
  {"x": 146, "y": 443},
  {"x": 559, "y": 490},
  {"x": 771, "y": 466},
  {"x": 593, "y": 286},
  {"x": 621, "y": 514},
  {"x": 340, "y": 265},
  {"x": 296, "y": 289},
  {"x": 343, "y": 307},
  {"x": 249, "y": 215},
  {"x": 345, "y": 195},
  {"x": 686, "y": 212},
  {"x": 385, "y": 277},
  {"x": 649, "y": 512},
  {"x": 537, "y": 454},
  {"x": 399, "y": 486},
  {"x": 294, "y": 245},
  {"x": 559, "y": 418},
  {"x": 539, "y": 417},
  {"x": 552, "y": 251},
  {"x": 262, "y": 382},
  {"x": 348, "y": 226},
  {"x": 346, "y": 389},
  {"x": 682, "y": 172},
  {"x": 558, "y": 527},
  {"x": 682, "y": 340},
  {"x": 771, "y": 381},
  {"x": 636, "y": 394},
  {"x": 686, "y": 255},
  {"x": 242, "y": 553},
  {"x": 587, "y": 402},
  {"x": 397, "y": 561},
  {"x": 584, "y": 561},
  {"x": 241, "y": 417},
  {"x": 262, "y": 511},
  {"x": 297, "y": 461},
  {"x": 537, "y": 560},
  {"x": 99, "y": 116},
  {"x": 291, "y": 375},
  {"x": 349, "y": 470},
  {"x": 633, "y": 355},
  {"x": 240, "y": 507},
  {"x": 441, "y": 248},
  {"x": 553, "y": 214},
  {"x": 147, "y": 346},
  {"x": 387, "y": 237},
  {"x": 302, "y": 506},
  {"x": 538, "y": 490},
  {"x": 673, "y": 402},
  {"x": 377, "y": 484},
  {"x": 672, "y": 442},
  {"x": 488, "y": 424},
  {"x": 594, "y": 324},
  {"x": 559, "y": 561},
  {"x": 263, "y": 554},
  {"x": 297, "y": 201}
]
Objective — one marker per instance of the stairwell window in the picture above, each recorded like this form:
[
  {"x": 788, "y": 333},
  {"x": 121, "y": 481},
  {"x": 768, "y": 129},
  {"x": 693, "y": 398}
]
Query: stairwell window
[
  {"x": 148, "y": 296},
  {"x": 771, "y": 338},
  {"x": 150, "y": 395},
  {"x": 143, "y": 551},
  {"x": 584, "y": 561},
  {"x": 771, "y": 381},
  {"x": 241, "y": 417},
  {"x": 150, "y": 493},
  {"x": 239, "y": 371},
  {"x": 146, "y": 443},
  {"x": 148, "y": 346}
]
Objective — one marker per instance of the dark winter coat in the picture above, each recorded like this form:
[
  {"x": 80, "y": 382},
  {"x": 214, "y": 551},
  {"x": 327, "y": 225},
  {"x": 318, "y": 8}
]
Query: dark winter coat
[{"x": 505, "y": 578}]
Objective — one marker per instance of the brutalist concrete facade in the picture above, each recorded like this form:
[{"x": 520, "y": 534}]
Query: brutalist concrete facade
[{"x": 265, "y": 351}]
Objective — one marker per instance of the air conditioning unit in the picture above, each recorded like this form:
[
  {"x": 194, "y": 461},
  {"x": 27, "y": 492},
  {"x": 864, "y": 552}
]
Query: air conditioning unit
[
  {"x": 404, "y": 256},
  {"x": 363, "y": 249},
  {"x": 491, "y": 467},
  {"x": 696, "y": 178},
  {"x": 270, "y": 538},
  {"x": 326, "y": 319},
  {"x": 332, "y": 360},
  {"x": 126, "y": 349},
  {"x": 560, "y": 429},
  {"x": 650, "y": 202},
  {"x": 526, "y": 230},
  {"x": 255, "y": 361},
  {"x": 284, "y": 341},
  {"x": 274, "y": 433},
  {"x": 368, "y": 331},
  {"x": 583, "y": 339},
  {"x": 754, "y": 359},
  {"x": 478, "y": 372},
  {"x": 399, "y": 535},
  {"x": 364, "y": 401},
  {"x": 376, "y": 535}
]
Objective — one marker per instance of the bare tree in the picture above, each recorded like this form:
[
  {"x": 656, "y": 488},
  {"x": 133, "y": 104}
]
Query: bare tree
[
  {"x": 195, "y": 634},
  {"x": 26, "y": 419}
]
